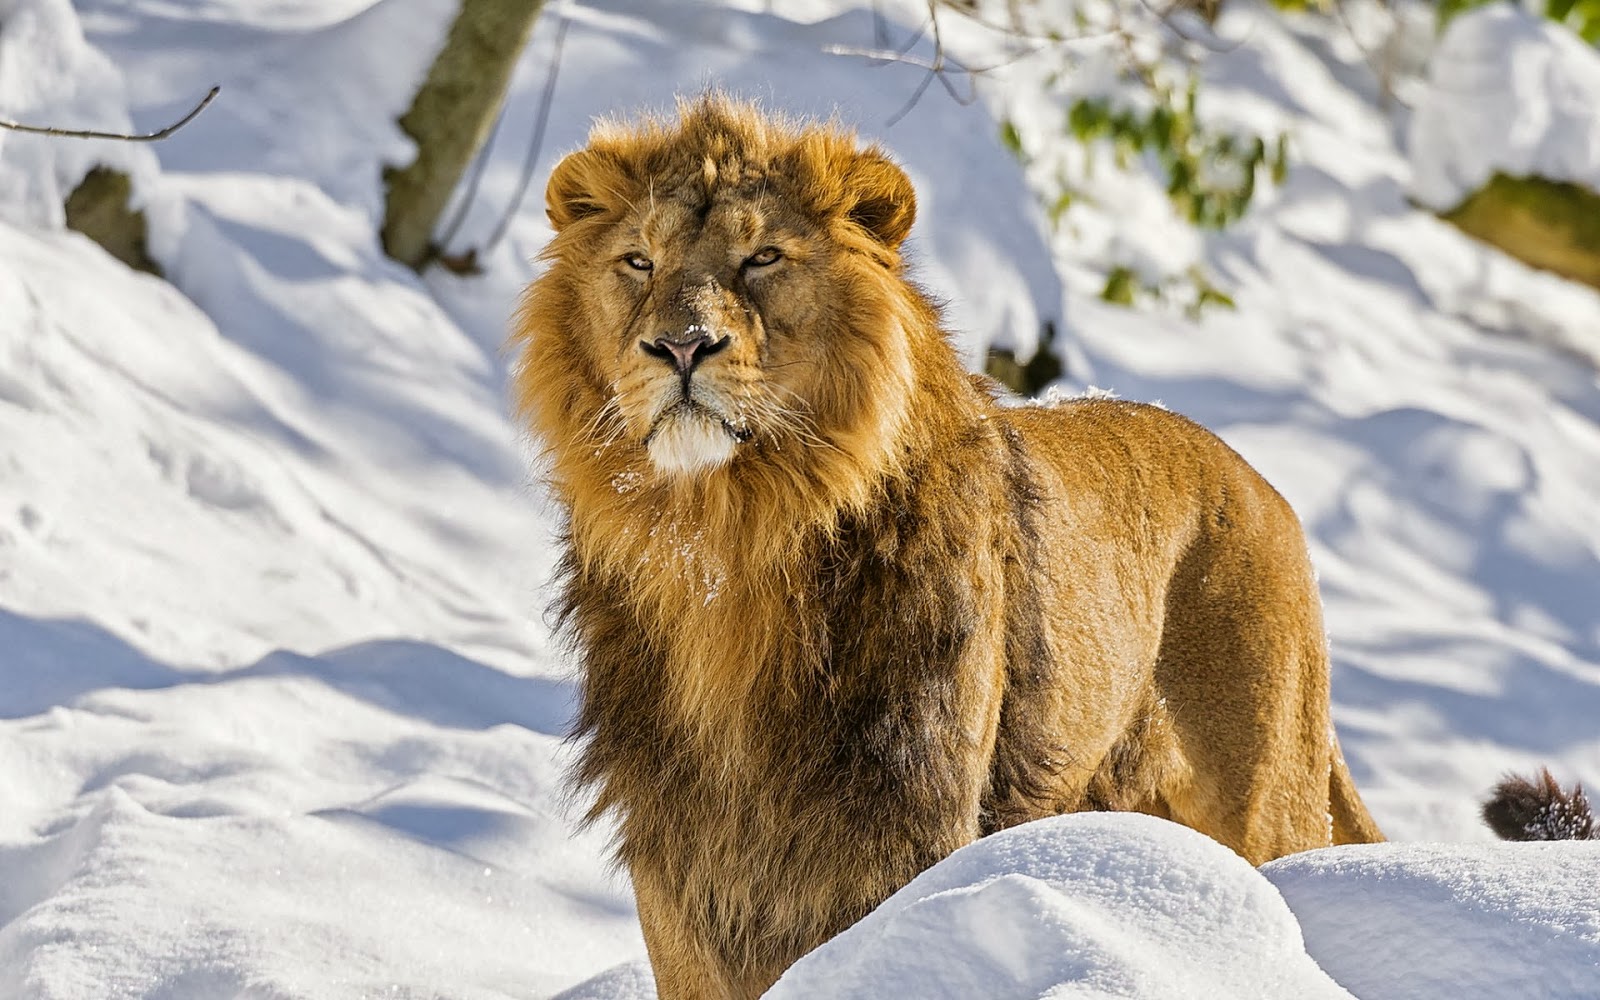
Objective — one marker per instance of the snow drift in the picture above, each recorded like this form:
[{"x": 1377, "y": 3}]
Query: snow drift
[
  {"x": 1090, "y": 905},
  {"x": 1509, "y": 92}
]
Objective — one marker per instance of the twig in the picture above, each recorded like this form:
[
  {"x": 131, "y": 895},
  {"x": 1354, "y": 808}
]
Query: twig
[
  {"x": 1167, "y": 18},
  {"x": 72, "y": 133},
  {"x": 943, "y": 67},
  {"x": 881, "y": 56},
  {"x": 1381, "y": 62},
  {"x": 880, "y": 35},
  {"x": 916, "y": 95},
  {"x": 1014, "y": 30}
]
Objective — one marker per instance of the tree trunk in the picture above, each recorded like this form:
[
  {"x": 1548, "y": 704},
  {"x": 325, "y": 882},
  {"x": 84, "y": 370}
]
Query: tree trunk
[{"x": 450, "y": 118}]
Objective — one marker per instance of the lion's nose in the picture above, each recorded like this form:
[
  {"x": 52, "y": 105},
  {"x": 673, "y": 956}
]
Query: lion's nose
[{"x": 684, "y": 354}]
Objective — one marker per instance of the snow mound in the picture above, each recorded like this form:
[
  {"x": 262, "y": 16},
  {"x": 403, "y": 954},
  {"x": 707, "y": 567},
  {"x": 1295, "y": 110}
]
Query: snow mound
[
  {"x": 1463, "y": 922},
  {"x": 51, "y": 76},
  {"x": 1124, "y": 905},
  {"x": 628, "y": 981},
  {"x": 1087, "y": 905},
  {"x": 1508, "y": 92}
]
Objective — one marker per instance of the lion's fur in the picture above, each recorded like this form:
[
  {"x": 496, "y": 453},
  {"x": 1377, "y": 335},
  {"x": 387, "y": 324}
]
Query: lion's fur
[{"x": 900, "y": 616}]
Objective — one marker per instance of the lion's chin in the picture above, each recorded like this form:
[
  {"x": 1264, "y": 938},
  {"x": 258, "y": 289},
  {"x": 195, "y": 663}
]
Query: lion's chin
[{"x": 691, "y": 442}]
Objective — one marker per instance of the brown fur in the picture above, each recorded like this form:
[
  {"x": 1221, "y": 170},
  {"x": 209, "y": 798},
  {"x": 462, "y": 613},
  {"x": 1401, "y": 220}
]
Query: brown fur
[
  {"x": 1520, "y": 809},
  {"x": 853, "y": 614}
]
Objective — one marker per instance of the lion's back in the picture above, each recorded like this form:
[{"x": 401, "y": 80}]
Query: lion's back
[
  {"x": 1139, "y": 463},
  {"x": 1128, "y": 492}
]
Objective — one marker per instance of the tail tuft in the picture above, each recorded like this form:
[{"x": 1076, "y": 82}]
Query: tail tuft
[{"x": 1538, "y": 809}]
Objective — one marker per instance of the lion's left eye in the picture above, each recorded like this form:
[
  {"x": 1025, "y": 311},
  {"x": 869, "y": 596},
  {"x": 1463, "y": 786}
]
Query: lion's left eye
[{"x": 763, "y": 257}]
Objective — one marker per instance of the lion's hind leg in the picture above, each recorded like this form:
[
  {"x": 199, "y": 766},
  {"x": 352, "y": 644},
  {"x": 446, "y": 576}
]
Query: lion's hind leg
[
  {"x": 1352, "y": 823},
  {"x": 1244, "y": 669}
]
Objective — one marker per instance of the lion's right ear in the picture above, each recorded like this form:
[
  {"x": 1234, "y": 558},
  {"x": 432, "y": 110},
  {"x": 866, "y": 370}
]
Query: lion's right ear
[
  {"x": 577, "y": 188},
  {"x": 880, "y": 197}
]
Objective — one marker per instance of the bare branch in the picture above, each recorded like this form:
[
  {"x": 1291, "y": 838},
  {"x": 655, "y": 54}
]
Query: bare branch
[
  {"x": 881, "y": 56},
  {"x": 1166, "y": 16},
  {"x": 943, "y": 67},
  {"x": 71, "y": 133},
  {"x": 880, "y": 32},
  {"x": 916, "y": 95},
  {"x": 1381, "y": 61}
]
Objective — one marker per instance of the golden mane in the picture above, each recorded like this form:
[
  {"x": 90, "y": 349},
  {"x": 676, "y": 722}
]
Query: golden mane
[{"x": 707, "y": 555}]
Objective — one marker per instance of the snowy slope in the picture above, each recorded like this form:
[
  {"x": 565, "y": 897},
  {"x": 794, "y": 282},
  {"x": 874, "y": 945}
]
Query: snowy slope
[
  {"x": 279, "y": 712},
  {"x": 1510, "y": 92}
]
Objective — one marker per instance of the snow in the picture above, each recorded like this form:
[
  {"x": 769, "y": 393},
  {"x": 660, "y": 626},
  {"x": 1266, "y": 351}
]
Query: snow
[
  {"x": 1412, "y": 921},
  {"x": 51, "y": 76},
  {"x": 1123, "y": 905},
  {"x": 280, "y": 713},
  {"x": 1091, "y": 905},
  {"x": 1510, "y": 93}
]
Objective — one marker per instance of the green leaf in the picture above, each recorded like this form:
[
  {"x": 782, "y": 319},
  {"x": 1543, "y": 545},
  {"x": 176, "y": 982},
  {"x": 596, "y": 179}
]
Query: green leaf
[
  {"x": 1087, "y": 119},
  {"x": 1160, "y": 127},
  {"x": 1059, "y": 207},
  {"x": 1448, "y": 9},
  {"x": 1257, "y": 154},
  {"x": 1584, "y": 18},
  {"x": 1280, "y": 159},
  {"x": 1120, "y": 286},
  {"x": 1012, "y": 139}
]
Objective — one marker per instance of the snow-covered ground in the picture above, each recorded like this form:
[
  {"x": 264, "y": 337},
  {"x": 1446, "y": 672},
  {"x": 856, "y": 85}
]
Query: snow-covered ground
[
  {"x": 1510, "y": 93},
  {"x": 280, "y": 714}
]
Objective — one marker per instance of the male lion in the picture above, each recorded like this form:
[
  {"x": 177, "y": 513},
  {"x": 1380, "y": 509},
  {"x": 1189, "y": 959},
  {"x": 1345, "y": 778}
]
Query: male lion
[{"x": 840, "y": 613}]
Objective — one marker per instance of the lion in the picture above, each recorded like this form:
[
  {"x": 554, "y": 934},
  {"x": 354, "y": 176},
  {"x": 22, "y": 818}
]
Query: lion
[{"x": 839, "y": 611}]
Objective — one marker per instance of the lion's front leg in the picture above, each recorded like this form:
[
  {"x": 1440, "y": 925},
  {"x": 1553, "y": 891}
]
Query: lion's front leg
[{"x": 683, "y": 966}]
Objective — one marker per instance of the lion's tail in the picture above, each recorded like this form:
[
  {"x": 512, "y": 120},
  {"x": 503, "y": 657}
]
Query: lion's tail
[
  {"x": 1539, "y": 809},
  {"x": 1352, "y": 824}
]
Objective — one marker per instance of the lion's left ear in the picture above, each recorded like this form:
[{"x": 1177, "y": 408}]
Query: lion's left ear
[
  {"x": 577, "y": 189},
  {"x": 880, "y": 198}
]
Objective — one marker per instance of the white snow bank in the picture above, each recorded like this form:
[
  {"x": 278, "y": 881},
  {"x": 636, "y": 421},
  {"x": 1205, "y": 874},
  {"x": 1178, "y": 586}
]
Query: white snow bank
[
  {"x": 1123, "y": 905},
  {"x": 51, "y": 76},
  {"x": 628, "y": 981},
  {"x": 1451, "y": 922},
  {"x": 1508, "y": 92},
  {"x": 1088, "y": 905},
  {"x": 316, "y": 102}
]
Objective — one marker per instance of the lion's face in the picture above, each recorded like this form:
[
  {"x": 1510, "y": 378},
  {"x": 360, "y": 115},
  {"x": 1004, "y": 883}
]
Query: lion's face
[
  {"x": 707, "y": 324},
  {"x": 729, "y": 289}
]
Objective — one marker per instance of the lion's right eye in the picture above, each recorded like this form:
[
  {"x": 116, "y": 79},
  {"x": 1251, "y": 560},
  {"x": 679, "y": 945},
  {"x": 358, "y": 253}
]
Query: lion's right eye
[
  {"x": 763, "y": 257},
  {"x": 639, "y": 262}
]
